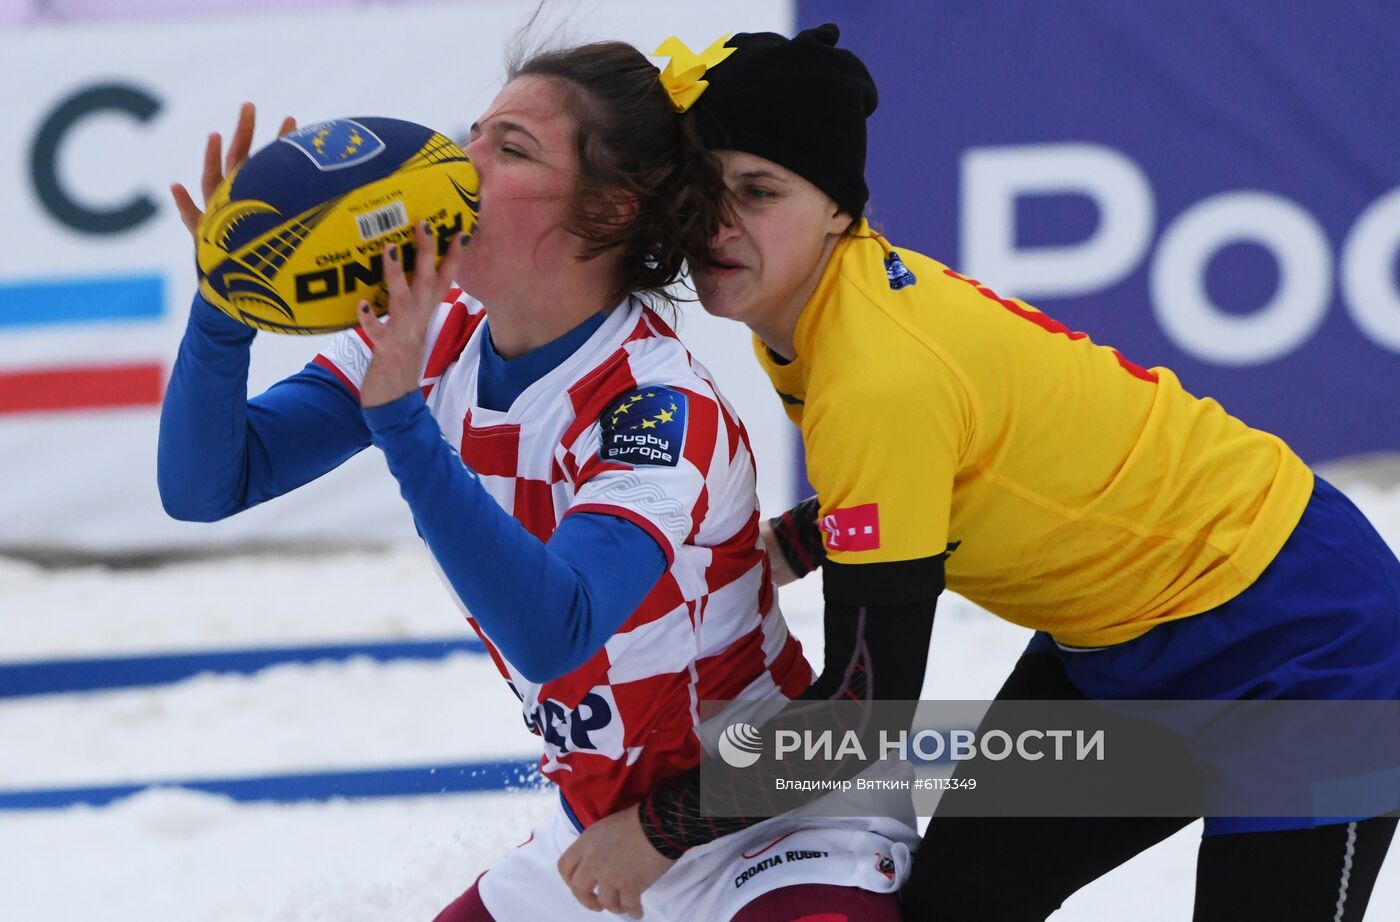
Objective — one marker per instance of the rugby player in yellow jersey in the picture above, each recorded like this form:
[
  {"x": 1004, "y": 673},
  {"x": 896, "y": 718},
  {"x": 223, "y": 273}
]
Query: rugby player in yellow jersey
[{"x": 1159, "y": 547}]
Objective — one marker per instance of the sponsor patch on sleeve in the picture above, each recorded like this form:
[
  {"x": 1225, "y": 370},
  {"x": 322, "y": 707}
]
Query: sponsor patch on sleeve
[
  {"x": 644, "y": 426},
  {"x": 856, "y": 528}
]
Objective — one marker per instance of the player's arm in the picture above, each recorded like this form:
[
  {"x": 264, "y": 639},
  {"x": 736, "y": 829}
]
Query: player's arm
[
  {"x": 548, "y": 606},
  {"x": 219, "y": 452},
  {"x": 793, "y": 542}
]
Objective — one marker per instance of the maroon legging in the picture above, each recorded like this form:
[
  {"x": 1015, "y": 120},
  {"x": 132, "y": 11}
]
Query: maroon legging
[
  {"x": 798, "y": 903},
  {"x": 821, "y": 903},
  {"x": 466, "y": 908}
]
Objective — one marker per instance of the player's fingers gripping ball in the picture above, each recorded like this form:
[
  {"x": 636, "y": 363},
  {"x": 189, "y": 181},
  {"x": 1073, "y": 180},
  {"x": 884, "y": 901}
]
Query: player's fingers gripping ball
[{"x": 292, "y": 241}]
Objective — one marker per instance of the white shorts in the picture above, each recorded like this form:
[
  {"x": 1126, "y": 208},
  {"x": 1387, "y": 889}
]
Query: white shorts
[{"x": 716, "y": 880}]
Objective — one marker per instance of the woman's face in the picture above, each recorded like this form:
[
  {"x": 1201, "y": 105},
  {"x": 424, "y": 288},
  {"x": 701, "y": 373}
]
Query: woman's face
[
  {"x": 524, "y": 151},
  {"x": 766, "y": 263}
]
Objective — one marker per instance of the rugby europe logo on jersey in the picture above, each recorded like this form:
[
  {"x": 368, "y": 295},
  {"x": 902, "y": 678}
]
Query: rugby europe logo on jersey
[
  {"x": 856, "y": 528},
  {"x": 645, "y": 426}
]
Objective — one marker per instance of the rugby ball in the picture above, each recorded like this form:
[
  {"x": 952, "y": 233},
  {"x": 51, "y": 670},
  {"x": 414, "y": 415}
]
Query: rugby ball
[{"x": 292, "y": 240}]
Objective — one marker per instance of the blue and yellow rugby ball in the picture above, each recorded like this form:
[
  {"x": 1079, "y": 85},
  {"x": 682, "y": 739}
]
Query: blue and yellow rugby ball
[{"x": 293, "y": 238}]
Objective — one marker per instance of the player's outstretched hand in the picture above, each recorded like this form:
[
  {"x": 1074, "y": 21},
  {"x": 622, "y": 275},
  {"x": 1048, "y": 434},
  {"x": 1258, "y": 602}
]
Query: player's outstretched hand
[
  {"x": 397, "y": 342},
  {"x": 612, "y": 863},
  {"x": 217, "y": 165}
]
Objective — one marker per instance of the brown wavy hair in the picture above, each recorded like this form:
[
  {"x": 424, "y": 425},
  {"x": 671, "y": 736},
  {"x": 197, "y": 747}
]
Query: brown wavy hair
[{"x": 632, "y": 146}]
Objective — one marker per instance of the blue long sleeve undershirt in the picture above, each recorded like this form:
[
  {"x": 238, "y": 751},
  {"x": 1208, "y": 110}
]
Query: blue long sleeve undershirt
[{"x": 548, "y": 607}]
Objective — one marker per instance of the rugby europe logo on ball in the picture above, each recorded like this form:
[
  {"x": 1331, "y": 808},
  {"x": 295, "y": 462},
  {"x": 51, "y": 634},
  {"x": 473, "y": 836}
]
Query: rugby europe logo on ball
[{"x": 293, "y": 239}]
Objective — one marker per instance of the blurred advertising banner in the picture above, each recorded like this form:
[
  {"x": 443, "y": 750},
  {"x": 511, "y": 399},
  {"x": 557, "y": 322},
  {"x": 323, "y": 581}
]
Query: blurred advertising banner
[
  {"x": 98, "y": 272},
  {"x": 1211, "y": 187}
]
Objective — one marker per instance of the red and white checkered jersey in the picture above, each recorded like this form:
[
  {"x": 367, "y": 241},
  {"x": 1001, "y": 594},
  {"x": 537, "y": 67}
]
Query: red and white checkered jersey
[{"x": 624, "y": 722}]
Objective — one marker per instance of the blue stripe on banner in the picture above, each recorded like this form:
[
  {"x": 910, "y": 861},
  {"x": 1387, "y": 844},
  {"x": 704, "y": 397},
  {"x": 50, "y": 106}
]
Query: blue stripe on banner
[
  {"x": 87, "y": 299},
  {"x": 58, "y": 676},
  {"x": 458, "y": 778}
]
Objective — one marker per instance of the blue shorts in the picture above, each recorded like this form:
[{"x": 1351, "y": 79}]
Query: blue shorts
[{"x": 1322, "y": 622}]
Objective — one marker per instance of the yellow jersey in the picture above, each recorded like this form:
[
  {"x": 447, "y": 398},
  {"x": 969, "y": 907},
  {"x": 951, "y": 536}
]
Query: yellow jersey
[{"x": 1072, "y": 491}]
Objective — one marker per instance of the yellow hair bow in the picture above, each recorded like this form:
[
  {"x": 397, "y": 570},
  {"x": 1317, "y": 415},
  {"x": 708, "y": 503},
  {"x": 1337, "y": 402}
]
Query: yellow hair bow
[{"x": 681, "y": 78}]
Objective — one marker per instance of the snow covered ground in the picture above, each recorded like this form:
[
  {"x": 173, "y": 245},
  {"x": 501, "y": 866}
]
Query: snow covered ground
[{"x": 168, "y": 853}]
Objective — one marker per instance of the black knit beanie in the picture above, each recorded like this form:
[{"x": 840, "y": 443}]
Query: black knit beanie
[{"x": 800, "y": 102}]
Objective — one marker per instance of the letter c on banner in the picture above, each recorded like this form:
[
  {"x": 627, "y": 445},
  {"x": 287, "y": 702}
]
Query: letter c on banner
[
  {"x": 43, "y": 159},
  {"x": 993, "y": 178},
  {"x": 1293, "y": 314}
]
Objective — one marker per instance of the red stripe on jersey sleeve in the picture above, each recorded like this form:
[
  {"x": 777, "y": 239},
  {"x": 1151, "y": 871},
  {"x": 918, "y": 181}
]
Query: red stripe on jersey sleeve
[
  {"x": 334, "y": 369},
  {"x": 492, "y": 450},
  {"x": 534, "y": 507}
]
